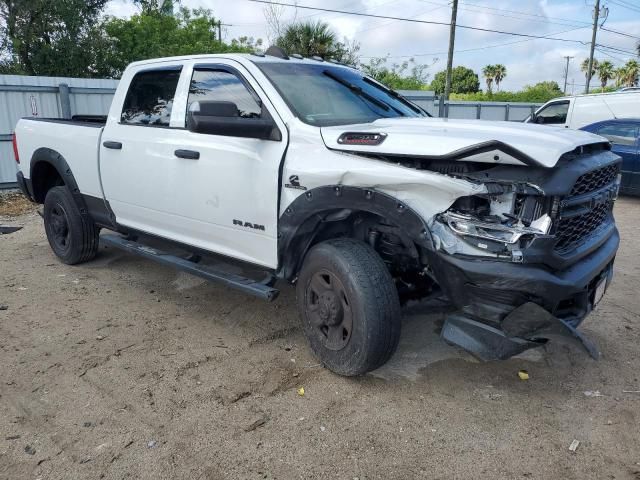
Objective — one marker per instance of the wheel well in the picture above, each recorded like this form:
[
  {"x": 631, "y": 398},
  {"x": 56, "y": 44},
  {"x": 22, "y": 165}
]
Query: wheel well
[
  {"x": 403, "y": 255},
  {"x": 44, "y": 177}
]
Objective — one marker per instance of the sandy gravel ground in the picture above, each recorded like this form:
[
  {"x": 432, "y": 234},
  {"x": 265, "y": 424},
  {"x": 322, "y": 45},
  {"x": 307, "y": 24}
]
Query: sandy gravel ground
[{"x": 122, "y": 369}]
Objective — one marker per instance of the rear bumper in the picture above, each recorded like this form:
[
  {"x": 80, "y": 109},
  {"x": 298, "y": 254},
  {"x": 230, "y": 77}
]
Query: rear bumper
[
  {"x": 24, "y": 184},
  {"x": 488, "y": 291}
]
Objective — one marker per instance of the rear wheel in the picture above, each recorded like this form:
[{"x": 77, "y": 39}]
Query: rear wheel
[
  {"x": 72, "y": 236},
  {"x": 349, "y": 306}
]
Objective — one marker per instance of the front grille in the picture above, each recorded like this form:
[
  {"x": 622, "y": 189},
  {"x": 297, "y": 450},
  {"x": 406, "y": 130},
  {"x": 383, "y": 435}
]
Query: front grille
[
  {"x": 594, "y": 180},
  {"x": 573, "y": 231}
]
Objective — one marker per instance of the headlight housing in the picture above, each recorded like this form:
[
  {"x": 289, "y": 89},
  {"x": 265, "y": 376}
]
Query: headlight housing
[{"x": 468, "y": 226}]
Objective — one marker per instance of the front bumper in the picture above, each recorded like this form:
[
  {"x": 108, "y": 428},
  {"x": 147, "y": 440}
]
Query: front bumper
[{"x": 486, "y": 292}]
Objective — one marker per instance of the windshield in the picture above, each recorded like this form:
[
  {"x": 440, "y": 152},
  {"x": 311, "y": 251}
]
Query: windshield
[{"x": 324, "y": 95}]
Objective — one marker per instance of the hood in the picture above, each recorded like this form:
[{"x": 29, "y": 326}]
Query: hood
[{"x": 470, "y": 140}]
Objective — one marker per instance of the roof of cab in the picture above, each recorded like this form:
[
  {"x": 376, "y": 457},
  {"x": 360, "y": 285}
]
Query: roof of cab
[{"x": 240, "y": 57}]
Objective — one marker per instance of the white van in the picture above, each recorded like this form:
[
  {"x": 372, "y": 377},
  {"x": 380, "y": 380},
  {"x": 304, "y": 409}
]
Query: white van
[{"x": 580, "y": 110}]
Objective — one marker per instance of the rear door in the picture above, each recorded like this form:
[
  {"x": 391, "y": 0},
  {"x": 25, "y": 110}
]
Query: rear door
[{"x": 624, "y": 140}]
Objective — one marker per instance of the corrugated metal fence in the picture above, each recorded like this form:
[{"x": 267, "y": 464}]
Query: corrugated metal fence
[{"x": 24, "y": 96}]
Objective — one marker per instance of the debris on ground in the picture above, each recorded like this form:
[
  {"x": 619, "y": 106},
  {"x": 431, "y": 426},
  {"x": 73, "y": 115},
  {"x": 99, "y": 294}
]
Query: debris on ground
[
  {"x": 6, "y": 229},
  {"x": 301, "y": 391},
  {"x": 593, "y": 393},
  {"x": 523, "y": 375},
  {"x": 4, "y": 307},
  {"x": 630, "y": 391},
  {"x": 152, "y": 444},
  {"x": 12, "y": 437},
  {"x": 29, "y": 450},
  {"x": 13, "y": 204},
  {"x": 574, "y": 445},
  {"x": 258, "y": 423}
]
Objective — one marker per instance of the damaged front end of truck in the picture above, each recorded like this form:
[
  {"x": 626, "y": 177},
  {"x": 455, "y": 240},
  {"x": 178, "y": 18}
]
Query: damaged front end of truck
[{"x": 532, "y": 256}]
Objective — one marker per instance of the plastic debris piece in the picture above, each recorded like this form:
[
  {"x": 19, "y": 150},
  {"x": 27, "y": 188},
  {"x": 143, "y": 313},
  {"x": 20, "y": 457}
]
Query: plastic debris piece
[
  {"x": 152, "y": 444},
  {"x": 301, "y": 391},
  {"x": 523, "y": 375},
  {"x": 322, "y": 428},
  {"x": 593, "y": 393},
  {"x": 574, "y": 445}
]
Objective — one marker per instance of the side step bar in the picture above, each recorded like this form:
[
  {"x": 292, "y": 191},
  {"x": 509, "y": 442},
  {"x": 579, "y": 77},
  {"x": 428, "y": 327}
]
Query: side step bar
[{"x": 261, "y": 289}]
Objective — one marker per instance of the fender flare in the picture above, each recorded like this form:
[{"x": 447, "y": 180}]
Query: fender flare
[
  {"x": 47, "y": 155},
  {"x": 301, "y": 218}
]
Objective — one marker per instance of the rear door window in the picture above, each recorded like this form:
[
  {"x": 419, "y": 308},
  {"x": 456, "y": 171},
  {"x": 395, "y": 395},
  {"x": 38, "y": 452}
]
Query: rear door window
[
  {"x": 150, "y": 98},
  {"x": 554, "y": 113},
  {"x": 620, "y": 134}
]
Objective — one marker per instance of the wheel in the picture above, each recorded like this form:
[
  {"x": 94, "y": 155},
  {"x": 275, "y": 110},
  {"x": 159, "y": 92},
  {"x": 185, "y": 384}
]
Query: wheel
[
  {"x": 349, "y": 306},
  {"x": 73, "y": 238}
]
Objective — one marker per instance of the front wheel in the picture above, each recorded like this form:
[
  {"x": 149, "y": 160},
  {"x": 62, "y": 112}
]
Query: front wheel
[{"x": 349, "y": 306}]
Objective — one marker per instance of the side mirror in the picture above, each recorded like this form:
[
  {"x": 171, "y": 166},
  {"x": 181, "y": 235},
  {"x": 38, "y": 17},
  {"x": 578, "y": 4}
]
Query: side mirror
[
  {"x": 538, "y": 120},
  {"x": 223, "y": 118}
]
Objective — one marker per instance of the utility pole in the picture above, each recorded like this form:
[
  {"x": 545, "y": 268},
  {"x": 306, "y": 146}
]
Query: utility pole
[
  {"x": 452, "y": 38},
  {"x": 566, "y": 74},
  {"x": 596, "y": 14},
  {"x": 220, "y": 30}
]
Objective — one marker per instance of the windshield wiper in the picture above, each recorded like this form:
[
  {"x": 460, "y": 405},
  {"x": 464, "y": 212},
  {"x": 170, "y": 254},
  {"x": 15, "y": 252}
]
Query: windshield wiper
[
  {"x": 357, "y": 90},
  {"x": 416, "y": 108}
]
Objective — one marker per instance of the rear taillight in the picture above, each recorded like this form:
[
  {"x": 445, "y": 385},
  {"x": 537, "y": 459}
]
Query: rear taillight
[{"x": 14, "y": 141}]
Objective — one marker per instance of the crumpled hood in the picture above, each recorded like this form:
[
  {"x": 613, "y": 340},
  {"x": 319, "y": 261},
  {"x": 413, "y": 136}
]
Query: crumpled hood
[{"x": 471, "y": 140}]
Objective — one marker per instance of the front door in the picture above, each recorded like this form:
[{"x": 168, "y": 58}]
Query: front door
[
  {"x": 624, "y": 140},
  {"x": 214, "y": 192}
]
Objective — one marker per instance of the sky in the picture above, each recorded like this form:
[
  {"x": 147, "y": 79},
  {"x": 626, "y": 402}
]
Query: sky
[{"x": 528, "y": 61}]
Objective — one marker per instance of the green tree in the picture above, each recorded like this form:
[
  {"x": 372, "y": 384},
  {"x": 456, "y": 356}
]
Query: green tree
[
  {"x": 317, "y": 39},
  {"x": 489, "y": 73},
  {"x": 584, "y": 67},
  {"x": 144, "y": 36},
  {"x": 45, "y": 37},
  {"x": 499, "y": 73},
  {"x": 156, "y": 7},
  {"x": 539, "y": 93},
  {"x": 463, "y": 80},
  {"x": 630, "y": 73},
  {"x": 605, "y": 72},
  {"x": 407, "y": 75}
]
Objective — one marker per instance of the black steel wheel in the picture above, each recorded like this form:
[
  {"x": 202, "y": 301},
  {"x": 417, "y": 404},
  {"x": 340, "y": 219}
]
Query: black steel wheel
[
  {"x": 72, "y": 236},
  {"x": 349, "y": 306}
]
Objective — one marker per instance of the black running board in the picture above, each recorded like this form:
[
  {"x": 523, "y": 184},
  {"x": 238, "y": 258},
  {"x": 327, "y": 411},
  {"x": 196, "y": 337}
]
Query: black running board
[{"x": 261, "y": 289}]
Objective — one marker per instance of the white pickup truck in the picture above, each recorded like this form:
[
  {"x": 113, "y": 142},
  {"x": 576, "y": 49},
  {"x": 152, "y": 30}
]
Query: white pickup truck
[{"x": 309, "y": 172}]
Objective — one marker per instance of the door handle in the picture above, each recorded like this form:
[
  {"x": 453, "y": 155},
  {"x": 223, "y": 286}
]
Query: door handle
[
  {"x": 188, "y": 154},
  {"x": 112, "y": 145}
]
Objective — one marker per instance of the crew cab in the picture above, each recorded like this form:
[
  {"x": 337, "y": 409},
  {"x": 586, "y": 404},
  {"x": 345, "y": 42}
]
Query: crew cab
[{"x": 305, "y": 171}]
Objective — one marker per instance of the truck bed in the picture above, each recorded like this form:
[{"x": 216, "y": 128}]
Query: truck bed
[{"x": 77, "y": 140}]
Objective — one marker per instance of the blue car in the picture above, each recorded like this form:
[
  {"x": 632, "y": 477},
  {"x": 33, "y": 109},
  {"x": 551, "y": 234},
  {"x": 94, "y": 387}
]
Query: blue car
[{"x": 624, "y": 134}]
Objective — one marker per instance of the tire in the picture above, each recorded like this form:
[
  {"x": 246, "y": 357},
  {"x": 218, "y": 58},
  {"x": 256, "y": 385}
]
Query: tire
[
  {"x": 349, "y": 306},
  {"x": 72, "y": 236}
]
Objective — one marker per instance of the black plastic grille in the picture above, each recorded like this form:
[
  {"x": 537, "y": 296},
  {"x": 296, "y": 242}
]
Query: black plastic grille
[
  {"x": 572, "y": 231},
  {"x": 595, "y": 180}
]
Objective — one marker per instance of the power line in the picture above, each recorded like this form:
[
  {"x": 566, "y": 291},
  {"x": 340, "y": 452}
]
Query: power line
[
  {"x": 621, "y": 3},
  {"x": 616, "y": 49},
  {"x": 526, "y": 13},
  {"x": 620, "y": 33},
  {"x": 539, "y": 17},
  {"x": 411, "y": 20},
  {"x": 475, "y": 49}
]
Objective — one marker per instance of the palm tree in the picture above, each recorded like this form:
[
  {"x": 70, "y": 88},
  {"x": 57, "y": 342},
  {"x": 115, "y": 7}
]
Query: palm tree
[
  {"x": 489, "y": 76},
  {"x": 605, "y": 72},
  {"x": 499, "y": 72},
  {"x": 308, "y": 39},
  {"x": 584, "y": 66},
  {"x": 631, "y": 73}
]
